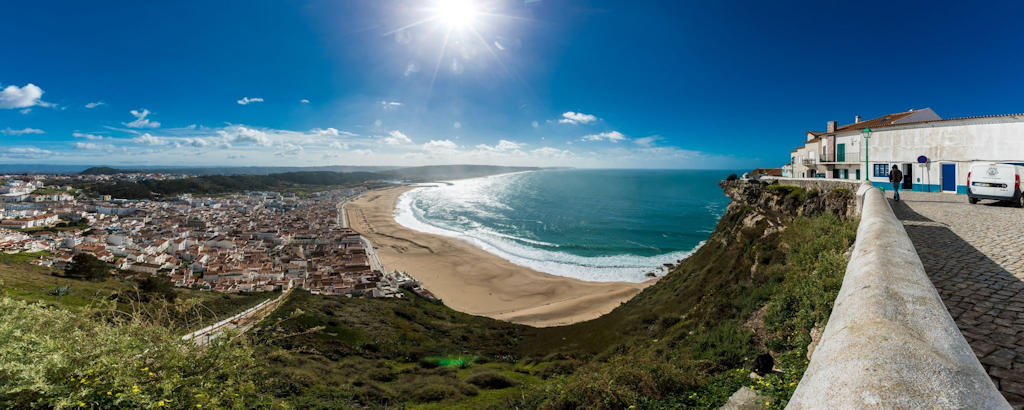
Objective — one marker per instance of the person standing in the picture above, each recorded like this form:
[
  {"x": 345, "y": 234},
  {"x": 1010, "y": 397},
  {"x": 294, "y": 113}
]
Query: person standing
[{"x": 896, "y": 178}]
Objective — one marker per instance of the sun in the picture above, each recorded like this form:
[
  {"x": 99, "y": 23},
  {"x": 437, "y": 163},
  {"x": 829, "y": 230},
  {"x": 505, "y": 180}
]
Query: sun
[{"x": 456, "y": 13}]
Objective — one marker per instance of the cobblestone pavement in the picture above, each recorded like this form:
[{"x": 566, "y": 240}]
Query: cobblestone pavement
[{"x": 974, "y": 254}]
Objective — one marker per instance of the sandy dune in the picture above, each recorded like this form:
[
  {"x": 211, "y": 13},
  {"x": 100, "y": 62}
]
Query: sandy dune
[{"x": 471, "y": 280}]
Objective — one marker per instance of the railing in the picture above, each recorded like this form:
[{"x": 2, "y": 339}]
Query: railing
[
  {"x": 889, "y": 342},
  {"x": 809, "y": 161}
]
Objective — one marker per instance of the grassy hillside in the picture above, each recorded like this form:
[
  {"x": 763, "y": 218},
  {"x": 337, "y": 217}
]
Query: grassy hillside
[
  {"x": 20, "y": 280},
  {"x": 764, "y": 279}
]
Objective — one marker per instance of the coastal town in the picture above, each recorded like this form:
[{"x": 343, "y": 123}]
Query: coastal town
[{"x": 254, "y": 241}]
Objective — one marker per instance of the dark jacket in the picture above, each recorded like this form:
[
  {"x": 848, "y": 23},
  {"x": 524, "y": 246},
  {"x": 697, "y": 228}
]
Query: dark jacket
[{"x": 895, "y": 176}]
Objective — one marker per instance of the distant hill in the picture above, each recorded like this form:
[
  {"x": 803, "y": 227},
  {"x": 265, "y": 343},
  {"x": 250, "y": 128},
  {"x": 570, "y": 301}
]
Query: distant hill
[
  {"x": 104, "y": 171},
  {"x": 218, "y": 184}
]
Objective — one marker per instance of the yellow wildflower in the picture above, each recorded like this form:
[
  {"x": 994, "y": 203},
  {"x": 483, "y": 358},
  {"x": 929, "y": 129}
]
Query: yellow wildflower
[
  {"x": 109, "y": 392},
  {"x": 151, "y": 374},
  {"x": 135, "y": 389},
  {"x": 767, "y": 403},
  {"x": 199, "y": 406},
  {"x": 160, "y": 403},
  {"x": 144, "y": 369}
]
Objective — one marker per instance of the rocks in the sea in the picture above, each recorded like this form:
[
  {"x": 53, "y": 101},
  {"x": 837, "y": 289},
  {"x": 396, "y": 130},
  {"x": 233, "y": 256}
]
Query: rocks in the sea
[
  {"x": 745, "y": 399},
  {"x": 651, "y": 274}
]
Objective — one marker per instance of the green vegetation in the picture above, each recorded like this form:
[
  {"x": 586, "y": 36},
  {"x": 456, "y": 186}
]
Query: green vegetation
[
  {"x": 191, "y": 309},
  {"x": 299, "y": 181},
  {"x": 86, "y": 266},
  {"x": 98, "y": 358},
  {"x": 52, "y": 191},
  {"x": 687, "y": 341},
  {"x": 219, "y": 184}
]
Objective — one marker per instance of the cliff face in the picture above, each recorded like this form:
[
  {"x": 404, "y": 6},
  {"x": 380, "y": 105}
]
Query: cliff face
[
  {"x": 765, "y": 277},
  {"x": 787, "y": 200}
]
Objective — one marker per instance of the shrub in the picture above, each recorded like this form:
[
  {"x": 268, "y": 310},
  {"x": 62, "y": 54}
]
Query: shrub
[
  {"x": 732, "y": 177},
  {"x": 157, "y": 287},
  {"x": 84, "y": 265},
  {"x": 622, "y": 383},
  {"x": 434, "y": 392},
  {"x": 55, "y": 358},
  {"x": 489, "y": 379}
]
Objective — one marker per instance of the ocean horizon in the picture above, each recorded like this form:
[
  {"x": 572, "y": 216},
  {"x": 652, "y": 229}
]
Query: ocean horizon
[{"x": 597, "y": 225}]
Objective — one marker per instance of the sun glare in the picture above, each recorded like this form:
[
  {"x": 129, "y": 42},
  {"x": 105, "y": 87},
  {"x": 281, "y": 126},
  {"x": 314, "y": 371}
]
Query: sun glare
[{"x": 456, "y": 13}]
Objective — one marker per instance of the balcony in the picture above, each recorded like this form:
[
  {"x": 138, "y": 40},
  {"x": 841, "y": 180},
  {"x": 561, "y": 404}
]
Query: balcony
[
  {"x": 809, "y": 161},
  {"x": 850, "y": 157}
]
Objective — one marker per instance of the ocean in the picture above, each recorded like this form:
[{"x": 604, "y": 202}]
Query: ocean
[{"x": 595, "y": 225}]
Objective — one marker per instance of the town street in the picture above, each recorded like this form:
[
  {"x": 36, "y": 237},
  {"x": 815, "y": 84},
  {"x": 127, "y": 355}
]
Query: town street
[{"x": 974, "y": 254}]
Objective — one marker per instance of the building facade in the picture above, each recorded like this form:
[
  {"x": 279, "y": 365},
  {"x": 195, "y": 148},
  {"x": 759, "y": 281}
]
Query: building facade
[{"x": 934, "y": 154}]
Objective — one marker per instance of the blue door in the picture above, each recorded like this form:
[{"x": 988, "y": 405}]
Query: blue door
[{"x": 949, "y": 177}]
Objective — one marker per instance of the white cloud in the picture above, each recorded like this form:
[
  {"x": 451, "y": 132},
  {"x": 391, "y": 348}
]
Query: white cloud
[
  {"x": 332, "y": 132},
  {"x": 501, "y": 146},
  {"x": 150, "y": 139},
  {"x": 25, "y": 152},
  {"x": 141, "y": 121},
  {"x": 534, "y": 124},
  {"x": 397, "y": 138},
  {"x": 304, "y": 101},
  {"x": 288, "y": 150},
  {"x": 247, "y": 100},
  {"x": 243, "y": 134},
  {"x": 647, "y": 141},
  {"x": 438, "y": 146},
  {"x": 9, "y": 131},
  {"x": 93, "y": 137},
  {"x": 22, "y": 97},
  {"x": 612, "y": 136},
  {"x": 95, "y": 104},
  {"x": 570, "y": 117},
  {"x": 549, "y": 152},
  {"x": 411, "y": 69},
  {"x": 338, "y": 145},
  {"x": 236, "y": 156},
  {"x": 92, "y": 146},
  {"x": 390, "y": 104},
  {"x": 25, "y": 111},
  {"x": 457, "y": 125},
  {"x": 193, "y": 142}
]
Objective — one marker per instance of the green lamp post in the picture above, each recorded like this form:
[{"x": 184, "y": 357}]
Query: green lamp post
[{"x": 867, "y": 138}]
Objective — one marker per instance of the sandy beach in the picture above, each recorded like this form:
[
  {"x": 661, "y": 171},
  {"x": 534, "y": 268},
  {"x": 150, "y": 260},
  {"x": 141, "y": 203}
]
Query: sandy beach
[{"x": 469, "y": 279}]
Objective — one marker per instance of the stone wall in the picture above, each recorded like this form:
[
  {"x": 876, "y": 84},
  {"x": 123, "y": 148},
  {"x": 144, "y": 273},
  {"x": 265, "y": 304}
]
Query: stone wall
[{"x": 890, "y": 343}]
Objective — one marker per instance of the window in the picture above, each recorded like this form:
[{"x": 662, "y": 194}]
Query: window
[
  {"x": 858, "y": 175},
  {"x": 881, "y": 170}
]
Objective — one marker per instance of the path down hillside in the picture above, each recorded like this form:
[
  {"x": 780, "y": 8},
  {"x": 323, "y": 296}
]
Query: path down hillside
[{"x": 241, "y": 322}]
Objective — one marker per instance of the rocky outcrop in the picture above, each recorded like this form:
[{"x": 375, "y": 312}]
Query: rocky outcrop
[{"x": 792, "y": 198}]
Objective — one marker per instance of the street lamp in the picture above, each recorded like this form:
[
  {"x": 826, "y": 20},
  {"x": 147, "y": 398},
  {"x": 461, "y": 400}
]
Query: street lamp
[{"x": 867, "y": 138}]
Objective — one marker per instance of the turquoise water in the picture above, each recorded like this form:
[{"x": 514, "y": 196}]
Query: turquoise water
[{"x": 597, "y": 225}]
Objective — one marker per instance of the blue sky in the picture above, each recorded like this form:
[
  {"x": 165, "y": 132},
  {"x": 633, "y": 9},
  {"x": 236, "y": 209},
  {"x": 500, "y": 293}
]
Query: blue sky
[{"x": 575, "y": 83}]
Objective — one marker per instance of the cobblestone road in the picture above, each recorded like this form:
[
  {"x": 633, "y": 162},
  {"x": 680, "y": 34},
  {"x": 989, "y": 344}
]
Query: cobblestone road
[{"x": 973, "y": 254}]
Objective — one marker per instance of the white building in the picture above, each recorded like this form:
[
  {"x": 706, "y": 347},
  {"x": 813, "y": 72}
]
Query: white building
[{"x": 934, "y": 154}]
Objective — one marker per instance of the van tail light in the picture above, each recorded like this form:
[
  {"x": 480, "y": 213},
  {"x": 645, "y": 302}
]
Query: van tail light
[
  {"x": 1016, "y": 182},
  {"x": 969, "y": 179}
]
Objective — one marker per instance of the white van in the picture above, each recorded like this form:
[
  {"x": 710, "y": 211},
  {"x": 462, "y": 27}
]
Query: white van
[{"x": 995, "y": 181}]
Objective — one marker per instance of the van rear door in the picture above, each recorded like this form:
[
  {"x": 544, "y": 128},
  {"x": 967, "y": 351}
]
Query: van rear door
[{"x": 993, "y": 180}]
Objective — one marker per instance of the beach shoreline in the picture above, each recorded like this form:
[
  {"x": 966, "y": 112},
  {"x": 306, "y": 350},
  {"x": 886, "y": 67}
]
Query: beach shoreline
[{"x": 474, "y": 281}]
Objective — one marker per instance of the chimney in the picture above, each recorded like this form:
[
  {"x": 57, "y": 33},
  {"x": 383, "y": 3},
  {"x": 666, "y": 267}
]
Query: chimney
[
  {"x": 830, "y": 126},
  {"x": 856, "y": 119}
]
